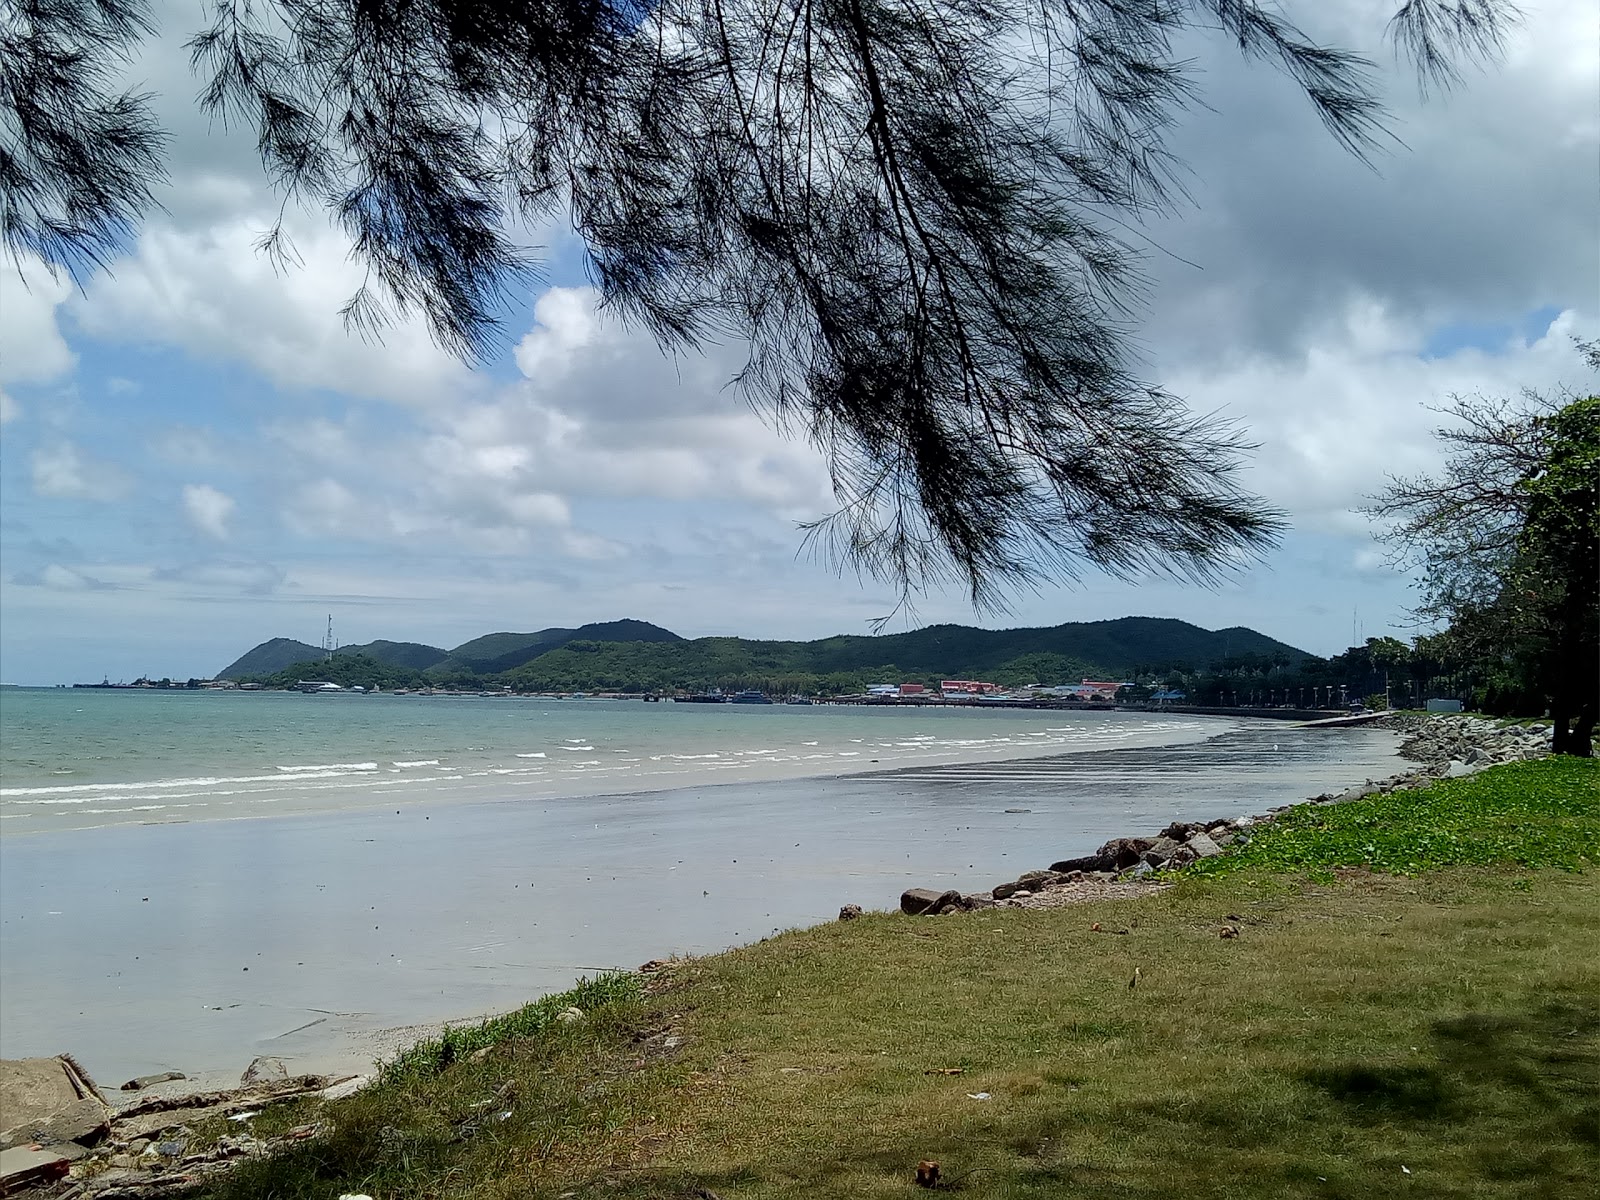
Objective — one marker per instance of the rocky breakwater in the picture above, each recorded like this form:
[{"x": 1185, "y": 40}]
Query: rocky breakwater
[{"x": 1447, "y": 746}]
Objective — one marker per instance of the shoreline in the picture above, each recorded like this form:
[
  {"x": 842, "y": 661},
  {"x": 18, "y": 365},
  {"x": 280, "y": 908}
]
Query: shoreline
[
  {"x": 475, "y": 914},
  {"x": 353, "y": 780},
  {"x": 1445, "y": 746}
]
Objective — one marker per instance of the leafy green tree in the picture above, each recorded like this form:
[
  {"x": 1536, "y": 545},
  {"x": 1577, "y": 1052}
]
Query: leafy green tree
[
  {"x": 1507, "y": 545},
  {"x": 909, "y": 210}
]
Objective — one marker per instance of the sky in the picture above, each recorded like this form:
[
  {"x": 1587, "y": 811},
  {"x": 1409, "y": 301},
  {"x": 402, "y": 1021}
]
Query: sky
[{"x": 194, "y": 455}]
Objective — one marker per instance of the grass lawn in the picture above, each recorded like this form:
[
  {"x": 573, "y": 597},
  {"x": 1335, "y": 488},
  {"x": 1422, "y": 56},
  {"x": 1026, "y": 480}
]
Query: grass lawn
[{"x": 1365, "y": 1035}]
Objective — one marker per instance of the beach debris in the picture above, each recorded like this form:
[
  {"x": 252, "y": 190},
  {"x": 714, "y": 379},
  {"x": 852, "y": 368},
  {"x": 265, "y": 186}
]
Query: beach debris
[
  {"x": 354, "y": 1196},
  {"x": 1228, "y": 931},
  {"x": 945, "y": 1071},
  {"x": 927, "y": 1173},
  {"x": 1134, "y": 982},
  {"x": 263, "y": 1069},
  {"x": 49, "y": 1103},
  {"x": 979, "y": 1096},
  {"x": 345, "y": 1087},
  {"x": 849, "y": 912},
  {"x": 29, "y": 1166},
  {"x": 144, "y": 1081},
  {"x": 245, "y": 1116},
  {"x": 570, "y": 1016}
]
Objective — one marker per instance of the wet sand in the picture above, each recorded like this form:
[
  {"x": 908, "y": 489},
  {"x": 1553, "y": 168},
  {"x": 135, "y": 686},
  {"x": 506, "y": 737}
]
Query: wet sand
[{"x": 195, "y": 947}]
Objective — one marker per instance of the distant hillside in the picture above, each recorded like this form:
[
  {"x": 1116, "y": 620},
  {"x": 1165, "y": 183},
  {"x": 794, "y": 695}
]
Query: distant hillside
[
  {"x": 414, "y": 655},
  {"x": 487, "y": 655},
  {"x": 497, "y": 652},
  {"x": 269, "y": 658},
  {"x": 634, "y": 655},
  {"x": 1058, "y": 654}
]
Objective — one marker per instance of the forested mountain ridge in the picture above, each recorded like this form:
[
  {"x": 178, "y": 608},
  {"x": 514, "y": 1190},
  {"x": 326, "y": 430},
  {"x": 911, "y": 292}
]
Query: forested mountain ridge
[{"x": 632, "y": 655}]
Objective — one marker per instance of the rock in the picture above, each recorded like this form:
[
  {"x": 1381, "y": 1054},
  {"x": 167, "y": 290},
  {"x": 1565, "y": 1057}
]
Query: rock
[
  {"x": 1178, "y": 830},
  {"x": 1089, "y": 862},
  {"x": 144, "y": 1081},
  {"x": 1160, "y": 850},
  {"x": 570, "y": 1016},
  {"x": 1203, "y": 846},
  {"x": 1036, "y": 880},
  {"x": 1121, "y": 853},
  {"x": 1457, "y": 769},
  {"x": 264, "y": 1070},
  {"x": 849, "y": 912},
  {"x": 1181, "y": 857},
  {"x": 977, "y": 901},
  {"x": 917, "y": 901},
  {"x": 1004, "y": 891},
  {"x": 1139, "y": 870},
  {"x": 946, "y": 910},
  {"x": 1477, "y": 756}
]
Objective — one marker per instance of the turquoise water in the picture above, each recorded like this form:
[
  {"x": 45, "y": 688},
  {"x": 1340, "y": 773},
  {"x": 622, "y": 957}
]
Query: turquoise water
[{"x": 72, "y": 759}]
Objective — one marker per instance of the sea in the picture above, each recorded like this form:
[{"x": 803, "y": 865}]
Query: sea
[
  {"x": 73, "y": 758},
  {"x": 192, "y": 879}
]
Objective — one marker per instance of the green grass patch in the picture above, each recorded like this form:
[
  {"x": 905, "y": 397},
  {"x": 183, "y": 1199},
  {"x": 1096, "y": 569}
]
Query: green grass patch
[
  {"x": 1544, "y": 813},
  {"x": 429, "y": 1057}
]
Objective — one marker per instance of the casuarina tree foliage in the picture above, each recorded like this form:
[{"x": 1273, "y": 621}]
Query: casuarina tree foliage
[
  {"x": 1507, "y": 545},
  {"x": 907, "y": 209}
]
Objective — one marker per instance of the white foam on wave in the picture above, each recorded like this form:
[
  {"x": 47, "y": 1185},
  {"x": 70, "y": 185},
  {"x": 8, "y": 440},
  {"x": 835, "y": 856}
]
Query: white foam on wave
[
  {"x": 535, "y": 754},
  {"x": 153, "y": 785},
  {"x": 415, "y": 762},
  {"x": 360, "y": 766}
]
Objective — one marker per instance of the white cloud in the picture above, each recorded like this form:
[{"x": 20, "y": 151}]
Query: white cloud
[
  {"x": 1357, "y": 407},
  {"x": 62, "y": 472},
  {"x": 10, "y": 410},
  {"x": 67, "y": 579},
  {"x": 208, "y": 290},
  {"x": 32, "y": 349},
  {"x": 208, "y": 509}
]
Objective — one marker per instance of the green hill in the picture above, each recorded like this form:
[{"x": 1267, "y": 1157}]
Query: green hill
[
  {"x": 635, "y": 656},
  {"x": 497, "y": 652},
  {"x": 1057, "y": 654},
  {"x": 268, "y": 659},
  {"x": 413, "y": 655}
]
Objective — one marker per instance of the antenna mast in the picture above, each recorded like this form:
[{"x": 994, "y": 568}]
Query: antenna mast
[{"x": 328, "y": 644}]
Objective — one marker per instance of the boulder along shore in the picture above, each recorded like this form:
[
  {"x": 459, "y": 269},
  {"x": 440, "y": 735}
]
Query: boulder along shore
[{"x": 1444, "y": 746}]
